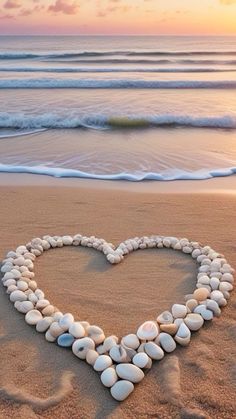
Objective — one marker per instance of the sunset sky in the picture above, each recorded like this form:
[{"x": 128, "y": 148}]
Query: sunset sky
[{"x": 197, "y": 17}]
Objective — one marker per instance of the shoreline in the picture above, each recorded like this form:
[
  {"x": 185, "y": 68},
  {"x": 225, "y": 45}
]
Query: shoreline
[{"x": 222, "y": 185}]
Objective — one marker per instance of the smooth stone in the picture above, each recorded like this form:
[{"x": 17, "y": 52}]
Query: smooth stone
[
  {"x": 102, "y": 363},
  {"x": 33, "y": 317},
  {"x": 129, "y": 372},
  {"x": 148, "y": 331},
  {"x": 121, "y": 390},
  {"x": 49, "y": 337},
  {"x": 100, "y": 350},
  {"x": 22, "y": 285},
  {"x": 225, "y": 286},
  {"x": 214, "y": 283},
  {"x": 205, "y": 313},
  {"x": 165, "y": 318},
  {"x": 183, "y": 335},
  {"x": 55, "y": 329},
  {"x": 26, "y": 306},
  {"x": 109, "y": 342},
  {"x": 65, "y": 321},
  {"x": 214, "y": 307},
  {"x": 154, "y": 351},
  {"x": 227, "y": 277},
  {"x": 166, "y": 341},
  {"x": 66, "y": 340},
  {"x": 179, "y": 311},
  {"x": 201, "y": 294},
  {"x": 67, "y": 240},
  {"x": 42, "y": 304},
  {"x": 57, "y": 315},
  {"x": 169, "y": 328},
  {"x": 49, "y": 310},
  {"x": 191, "y": 304},
  {"x": 91, "y": 356},
  {"x": 44, "y": 324},
  {"x": 32, "y": 285},
  {"x": 131, "y": 341},
  {"x": 17, "y": 296},
  {"x": 39, "y": 294},
  {"x": 96, "y": 333},
  {"x": 216, "y": 295},
  {"x": 141, "y": 360},
  {"x": 81, "y": 346},
  {"x": 194, "y": 321},
  {"x": 85, "y": 325},
  {"x": 118, "y": 354},
  {"x": 141, "y": 348},
  {"x": 32, "y": 297},
  {"x": 109, "y": 377},
  {"x": 76, "y": 329}
]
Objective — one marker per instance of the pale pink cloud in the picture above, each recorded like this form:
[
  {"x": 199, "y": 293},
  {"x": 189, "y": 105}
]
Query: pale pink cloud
[
  {"x": 228, "y": 2},
  {"x": 12, "y": 4},
  {"x": 64, "y": 6}
]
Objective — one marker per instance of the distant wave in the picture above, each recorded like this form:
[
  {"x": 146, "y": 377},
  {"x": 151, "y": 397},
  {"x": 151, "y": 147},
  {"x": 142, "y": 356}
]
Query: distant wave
[
  {"x": 23, "y": 121},
  {"x": 133, "y": 177},
  {"x": 28, "y": 55},
  {"x": 115, "y": 70},
  {"x": 50, "y": 83},
  {"x": 144, "y": 61},
  {"x": 20, "y": 133}
]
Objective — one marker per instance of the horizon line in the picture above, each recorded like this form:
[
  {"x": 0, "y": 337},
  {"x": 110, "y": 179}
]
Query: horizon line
[{"x": 121, "y": 35}]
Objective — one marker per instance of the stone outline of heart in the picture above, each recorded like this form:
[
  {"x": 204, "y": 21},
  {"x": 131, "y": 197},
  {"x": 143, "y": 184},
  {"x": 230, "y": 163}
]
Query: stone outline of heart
[{"x": 214, "y": 283}]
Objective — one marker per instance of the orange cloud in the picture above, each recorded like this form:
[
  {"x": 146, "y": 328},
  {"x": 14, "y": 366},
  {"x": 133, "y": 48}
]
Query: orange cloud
[{"x": 63, "y": 6}]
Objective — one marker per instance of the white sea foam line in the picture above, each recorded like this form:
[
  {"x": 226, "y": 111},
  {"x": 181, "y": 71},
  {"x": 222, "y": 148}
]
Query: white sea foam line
[
  {"x": 54, "y": 120},
  {"x": 175, "y": 175}
]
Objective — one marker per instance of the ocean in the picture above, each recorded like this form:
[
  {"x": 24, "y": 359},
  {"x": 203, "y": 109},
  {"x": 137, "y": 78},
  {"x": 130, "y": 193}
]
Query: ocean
[{"x": 118, "y": 108}]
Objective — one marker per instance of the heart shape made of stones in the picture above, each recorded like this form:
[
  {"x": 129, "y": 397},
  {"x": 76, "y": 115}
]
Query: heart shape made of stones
[{"x": 121, "y": 362}]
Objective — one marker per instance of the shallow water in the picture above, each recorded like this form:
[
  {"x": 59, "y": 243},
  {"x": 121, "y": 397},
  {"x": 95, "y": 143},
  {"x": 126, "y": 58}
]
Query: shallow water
[{"x": 129, "y": 108}]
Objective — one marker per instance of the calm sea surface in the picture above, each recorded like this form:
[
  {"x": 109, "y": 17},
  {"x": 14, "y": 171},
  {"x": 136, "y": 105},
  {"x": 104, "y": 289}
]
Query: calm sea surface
[{"x": 133, "y": 108}]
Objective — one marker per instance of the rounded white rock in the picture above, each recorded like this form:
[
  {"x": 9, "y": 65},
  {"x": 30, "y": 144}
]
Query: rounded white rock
[
  {"x": 17, "y": 296},
  {"x": 43, "y": 324},
  {"x": 96, "y": 333},
  {"x": 148, "y": 330},
  {"x": 194, "y": 321},
  {"x": 91, "y": 356},
  {"x": 166, "y": 341},
  {"x": 66, "y": 321},
  {"x": 33, "y": 317},
  {"x": 165, "y": 318},
  {"x": 121, "y": 390},
  {"x": 118, "y": 353},
  {"x": 102, "y": 363},
  {"x": 179, "y": 311},
  {"x": 154, "y": 351},
  {"x": 131, "y": 341},
  {"x": 81, "y": 346},
  {"x": 129, "y": 372},
  {"x": 141, "y": 360},
  {"x": 109, "y": 377},
  {"x": 109, "y": 342},
  {"x": 76, "y": 329}
]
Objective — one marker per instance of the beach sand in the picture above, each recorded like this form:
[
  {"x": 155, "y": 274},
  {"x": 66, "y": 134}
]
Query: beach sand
[{"x": 41, "y": 380}]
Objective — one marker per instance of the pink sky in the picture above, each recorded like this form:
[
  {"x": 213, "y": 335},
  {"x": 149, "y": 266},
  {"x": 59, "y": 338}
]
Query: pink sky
[{"x": 210, "y": 17}]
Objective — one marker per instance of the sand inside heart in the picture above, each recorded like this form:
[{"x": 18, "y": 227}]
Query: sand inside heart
[{"x": 114, "y": 296}]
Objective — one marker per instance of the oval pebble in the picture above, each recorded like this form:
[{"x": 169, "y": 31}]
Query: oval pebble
[
  {"x": 201, "y": 294},
  {"x": 167, "y": 342},
  {"x": 121, "y": 390},
  {"x": 76, "y": 329},
  {"x": 65, "y": 340},
  {"x": 194, "y": 321},
  {"x": 33, "y": 317},
  {"x": 179, "y": 311},
  {"x": 165, "y": 318},
  {"x": 148, "y": 331},
  {"x": 129, "y": 372},
  {"x": 109, "y": 377},
  {"x": 18, "y": 296},
  {"x": 81, "y": 346},
  {"x": 91, "y": 356},
  {"x": 140, "y": 360},
  {"x": 65, "y": 321},
  {"x": 131, "y": 341},
  {"x": 44, "y": 324},
  {"x": 154, "y": 351},
  {"x": 96, "y": 333},
  {"x": 102, "y": 363}
]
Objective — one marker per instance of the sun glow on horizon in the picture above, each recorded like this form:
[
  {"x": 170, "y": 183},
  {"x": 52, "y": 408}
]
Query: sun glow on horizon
[{"x": 118, "y": 17}]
